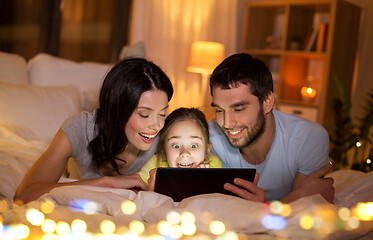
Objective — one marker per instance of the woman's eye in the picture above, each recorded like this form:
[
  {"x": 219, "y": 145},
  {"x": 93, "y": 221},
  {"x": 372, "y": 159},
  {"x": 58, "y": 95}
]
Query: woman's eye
[
  {"x": 177, "y": 146},
  {"x": 238, "y": 109},
  {"x": 144, "y": 115},
  {"x": 194, "y": 146},
  {"x": 162, "y": 115},
  {"x": 218, "y": 110}
]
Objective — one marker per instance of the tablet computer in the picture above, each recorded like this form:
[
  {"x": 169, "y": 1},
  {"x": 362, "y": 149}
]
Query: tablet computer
[{"x": 180, "y": 183}]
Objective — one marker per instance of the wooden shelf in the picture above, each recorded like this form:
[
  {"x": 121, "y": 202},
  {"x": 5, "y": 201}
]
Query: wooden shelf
[{"x": 269, "y": 31}]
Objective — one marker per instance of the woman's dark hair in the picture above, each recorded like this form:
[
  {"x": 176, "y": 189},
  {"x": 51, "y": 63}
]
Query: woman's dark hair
[
  {"x": 242, "y": 68},
  {"x": 119, "y": 97},
  {"x": 178, "y": 115}
]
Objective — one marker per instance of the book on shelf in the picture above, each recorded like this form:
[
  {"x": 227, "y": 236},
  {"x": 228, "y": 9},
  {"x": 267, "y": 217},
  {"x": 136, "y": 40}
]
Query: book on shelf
[
  {"x": 322, "y": 37},
  {"x": 316, "y": 38}
]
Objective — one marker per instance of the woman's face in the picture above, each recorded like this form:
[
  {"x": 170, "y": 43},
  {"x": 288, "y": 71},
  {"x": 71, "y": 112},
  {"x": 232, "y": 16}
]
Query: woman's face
[
  {"x": 185, "y": 146},
  {"x": 147, "y": 119}
]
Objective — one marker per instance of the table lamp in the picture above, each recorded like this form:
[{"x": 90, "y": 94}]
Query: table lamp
[{"x": 204, "y": 57}]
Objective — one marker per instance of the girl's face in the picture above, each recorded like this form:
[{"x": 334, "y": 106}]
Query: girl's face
[
  {"x": 147, "y": 119},
  {"x": 185, "y": 146}
]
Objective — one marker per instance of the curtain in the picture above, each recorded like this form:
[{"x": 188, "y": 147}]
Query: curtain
[{"x": 168, "y": 28}]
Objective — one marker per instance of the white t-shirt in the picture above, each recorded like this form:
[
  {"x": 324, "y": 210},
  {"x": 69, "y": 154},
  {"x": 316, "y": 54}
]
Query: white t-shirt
[{"x": 299, "y": 146}]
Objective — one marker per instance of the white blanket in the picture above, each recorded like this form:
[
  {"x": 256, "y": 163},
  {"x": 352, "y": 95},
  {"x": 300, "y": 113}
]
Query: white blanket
[{"x": 18, "y": 150}]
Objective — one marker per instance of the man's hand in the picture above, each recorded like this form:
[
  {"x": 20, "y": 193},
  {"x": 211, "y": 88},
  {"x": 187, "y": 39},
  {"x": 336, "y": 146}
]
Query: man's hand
[
  {"x": 247, "y": 190},
  {"x": 313, "y": 184}
]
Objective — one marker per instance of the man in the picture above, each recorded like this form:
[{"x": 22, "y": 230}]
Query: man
[{"x": 289, "y": 153}]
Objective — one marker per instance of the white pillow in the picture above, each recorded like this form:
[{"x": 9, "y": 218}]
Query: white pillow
[
  {"x": 135, "y": 50},
  {"x": 13, "y": 68},
  {"x": 48, "y": 70},
  {"x": 42, "y": 110}
]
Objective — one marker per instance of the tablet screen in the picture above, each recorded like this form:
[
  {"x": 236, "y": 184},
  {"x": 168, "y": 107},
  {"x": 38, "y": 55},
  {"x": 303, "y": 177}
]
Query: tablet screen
[{"x": 180, "y": 183}]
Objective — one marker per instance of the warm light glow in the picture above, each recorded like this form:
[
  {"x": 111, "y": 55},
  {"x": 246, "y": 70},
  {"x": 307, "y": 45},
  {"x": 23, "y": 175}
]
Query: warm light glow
[
  {"x": 344, "y": 213},
  {"x": 358, "y": 144},
  {"x": 48, "y": 226},
  {"x": 217, "y": 227},
  {"x": 173, "y": 217},
  {"x": 364, "y": 211},
  {"x": 128, "y": 207},
  {"x": 164, "y": 227},
  {"x": 308, "y": 92},
  {"x": 62, "y": 228},
  {"x": 189, "y": 228},
  {"x": 78, "y": 226},
  {"x": 22, "y": 231},
  {"x": 47, "y": 207},
  {"x": 137, "y": 227},
  {"x": 205, "y": 56},
  {"x": 35, "y": 217},
  {"x": 276, "y": 207},
  {"x": 176, "y": 231},
  {"x": 187, "y": 217},
  {"x": 306, "y": 222},
  {"x": 107, "y": 227},
  {"x": 369, "y": 161}
]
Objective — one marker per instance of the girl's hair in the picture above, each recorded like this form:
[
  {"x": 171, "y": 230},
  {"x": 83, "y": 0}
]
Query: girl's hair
[
  {"x": 242, "y": 68},
  {"x": 119, "y": 97},
  {"x": 181, "y": 114}
]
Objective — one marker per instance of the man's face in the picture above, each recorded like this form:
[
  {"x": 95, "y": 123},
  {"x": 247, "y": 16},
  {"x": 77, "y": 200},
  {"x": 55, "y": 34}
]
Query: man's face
[{"x": 239, "y": 114}]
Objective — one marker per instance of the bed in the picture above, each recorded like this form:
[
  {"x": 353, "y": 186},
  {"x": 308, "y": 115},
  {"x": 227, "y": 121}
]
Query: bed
[{"x": 35, "y": 98}]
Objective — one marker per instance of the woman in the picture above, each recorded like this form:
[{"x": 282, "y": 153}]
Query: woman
[{"x": 111, "y": 144}]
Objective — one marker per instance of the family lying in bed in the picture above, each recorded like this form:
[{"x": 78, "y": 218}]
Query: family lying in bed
[{"x": 118, "y": 144}]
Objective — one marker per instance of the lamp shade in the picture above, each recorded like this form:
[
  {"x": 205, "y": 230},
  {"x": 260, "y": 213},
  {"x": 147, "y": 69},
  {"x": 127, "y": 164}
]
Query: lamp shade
[{"x": 205, "y": 56}]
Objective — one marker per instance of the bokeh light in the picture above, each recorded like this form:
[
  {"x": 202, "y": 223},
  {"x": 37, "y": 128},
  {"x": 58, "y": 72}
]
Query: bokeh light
[
  {"x": 21, "y": 231},
  {"x": 344, "y": 213},
  {"x": 164, "y": 227},
  {"x": 78, "y": 226},
  {"x": 176, "y": 231},
  {"x": 189, "y": 228},
  {"x": 217, "y": 227},
  {"x": 173, "y": 217},
  {"x": 306, "y": 222},
  {"x": 47, "y": 207},
  {"x": 35, "y": 217},
  {"x": 128, "y": 207},
  {"x": 107, "y": 227},
  {"x": 187, "y": 217},
  {"x": 137, "y": 227},
  {"x": 48, "y": 226},
  {"x": 274, "y": 222},
  {"x": 62, "y": 228}
]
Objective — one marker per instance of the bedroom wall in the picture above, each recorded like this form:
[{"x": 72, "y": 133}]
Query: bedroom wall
[{"x": 363, "y": 81}]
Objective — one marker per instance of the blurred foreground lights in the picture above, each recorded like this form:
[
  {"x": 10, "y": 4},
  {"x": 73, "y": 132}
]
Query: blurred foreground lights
[
  {"x": 176, "y": 231},
  {"x": 274, "y": 222},
  {"x": 164, "y": 227},
  {"x": 107, "y": 227},
  {"x": 35, "y": 217},
  {"x": 62, "y": 228},
  {"x": 217, "y": 227},
  {"x": 189, "y": 228},
  {"x": 86, "y": 206},
  {"x": 306, "y": 222},
  {"x": 187, "y": 217},
  {"x": 128, "y": 207},
  {"x": 173, "y": 217},
  {"x": 369, "y": 161},
  {"x": 358, "y": 144},
  {"x": 48, "y": 226},
  {"x": 137, "y": 227},
  {"x": 21, "y": 231},
  {"x": 47, "y": 206},
  {"x": 344, "y": 213},
  {"x": 50, "y": 236},
  {"x": 78, "y": 226},
  {"x": 364, "y": 211}
]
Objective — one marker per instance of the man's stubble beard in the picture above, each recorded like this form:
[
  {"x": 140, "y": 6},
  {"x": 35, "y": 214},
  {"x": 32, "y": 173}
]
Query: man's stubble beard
[{"x": 251, "y": 134}]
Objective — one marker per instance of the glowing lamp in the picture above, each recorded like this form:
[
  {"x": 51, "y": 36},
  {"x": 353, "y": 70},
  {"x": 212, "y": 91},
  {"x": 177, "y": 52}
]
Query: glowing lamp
[
  {"x": 204, "y": 57},
  {"x": 308, "y": 92}
]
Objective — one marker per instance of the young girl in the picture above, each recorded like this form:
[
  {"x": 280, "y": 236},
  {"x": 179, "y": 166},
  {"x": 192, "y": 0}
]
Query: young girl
[
  {"x": 111, "y": 144},
  {"x": 183, "y": 143}
]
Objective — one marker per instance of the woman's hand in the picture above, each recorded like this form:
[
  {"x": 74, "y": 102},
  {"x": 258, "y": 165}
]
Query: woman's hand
[
  {"x": 247, "y": 190},
  {"x": 132, "y": 182}
]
